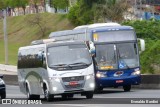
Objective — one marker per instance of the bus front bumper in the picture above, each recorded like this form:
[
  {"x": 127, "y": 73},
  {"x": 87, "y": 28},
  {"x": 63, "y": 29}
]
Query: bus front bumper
[{"x": 118, "y": 81}]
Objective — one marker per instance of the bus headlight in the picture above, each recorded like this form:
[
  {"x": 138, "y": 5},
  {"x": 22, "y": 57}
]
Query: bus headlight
[
  {"x": 1, "y": 81},
  {"x": 89, "y": 76},
  {"x": 54, "y": 79},
  {"x": 136, "y": 72},
  {"x": 100, "y": 75}
]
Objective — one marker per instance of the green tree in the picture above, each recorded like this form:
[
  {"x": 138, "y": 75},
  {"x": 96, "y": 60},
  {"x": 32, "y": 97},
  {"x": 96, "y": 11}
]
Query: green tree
[
  {"x": 148, "y": 30},
  {"x": 23, "y": 4},
  {"x": 39, "y": 21},
  {"x": 35, "y": 3},
  {"x": 12, "y": 4},
  {"x": 3, "y": 4},
  {"x": 111, "y": 10},
  {"x": 81, "y": 13},
  {"x": 61, "y": 4}
]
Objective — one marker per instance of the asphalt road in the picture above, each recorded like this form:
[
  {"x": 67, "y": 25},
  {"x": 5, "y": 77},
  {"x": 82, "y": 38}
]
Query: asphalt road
[{"x": 111, "y": 97}]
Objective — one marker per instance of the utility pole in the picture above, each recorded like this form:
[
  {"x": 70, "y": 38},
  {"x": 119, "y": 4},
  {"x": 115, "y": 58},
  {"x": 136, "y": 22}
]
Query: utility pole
[
  {"x": 5, "y": 36},
  {"x": 141, "y": 11}
]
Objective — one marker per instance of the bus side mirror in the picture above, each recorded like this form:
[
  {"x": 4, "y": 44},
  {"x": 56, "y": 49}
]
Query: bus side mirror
[
  {"x": 40, "y": 55},
  {"x": 92, "y": 52},
  {"x": 1, "y": 76},
  {"x": 141, "y": 44},
  {"x": 92, "y": 48}
]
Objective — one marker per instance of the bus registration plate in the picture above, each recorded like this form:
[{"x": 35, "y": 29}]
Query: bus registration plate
[
  {"x": 119, "y": 81},
  {"x": 72, "y": 83}
]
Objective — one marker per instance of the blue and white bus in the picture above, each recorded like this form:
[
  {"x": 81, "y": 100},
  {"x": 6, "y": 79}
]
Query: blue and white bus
[{"x": 116, "y": 58}]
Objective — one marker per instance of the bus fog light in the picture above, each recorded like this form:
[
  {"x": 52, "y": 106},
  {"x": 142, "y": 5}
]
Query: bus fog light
[
  {"x": 54, "y": 88},
  {"x": 136, "y": 72},
  {"x": 92, "y": 85}
]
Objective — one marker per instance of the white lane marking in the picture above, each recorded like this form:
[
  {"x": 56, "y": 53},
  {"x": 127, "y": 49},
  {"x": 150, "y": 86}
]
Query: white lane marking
[{"x": 74, "y": 105}]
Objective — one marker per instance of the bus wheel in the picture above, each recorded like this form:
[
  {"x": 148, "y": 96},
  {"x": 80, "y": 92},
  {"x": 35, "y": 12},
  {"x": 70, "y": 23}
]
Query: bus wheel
[
  {"x": 89, "y": 95},
  {"x": 29, "y": 96},
  {"x": 32, "y": 97},
  {"x": 48, "y": 96},
  {"x": 127, "y": 88}
]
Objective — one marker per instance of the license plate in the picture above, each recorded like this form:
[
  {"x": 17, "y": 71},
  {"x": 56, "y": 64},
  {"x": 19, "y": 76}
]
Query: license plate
[
  {"x": 72, "y": 83},
  {"x": 119, "y": 81}
]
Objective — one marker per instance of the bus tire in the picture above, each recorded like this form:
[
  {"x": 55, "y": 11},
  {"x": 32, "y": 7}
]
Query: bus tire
[
  {"x": 36, "y": 97},
  {"x": 29, "y": 96},
  {"x": 127, "y": 88},
  {"x": 48, "y": 96},
  {"x": 89, "y": 95},
  {"x": 3, "y": 95}
]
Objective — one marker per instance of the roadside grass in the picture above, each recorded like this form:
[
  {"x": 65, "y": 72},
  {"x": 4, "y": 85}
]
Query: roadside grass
[{"x": 21, "y": 33}]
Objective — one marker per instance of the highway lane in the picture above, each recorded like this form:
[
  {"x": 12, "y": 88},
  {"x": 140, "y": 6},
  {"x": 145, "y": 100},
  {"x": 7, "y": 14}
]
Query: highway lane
[
  {"x": 108, "y": 96},
  {"x": 14, "y": 92}
]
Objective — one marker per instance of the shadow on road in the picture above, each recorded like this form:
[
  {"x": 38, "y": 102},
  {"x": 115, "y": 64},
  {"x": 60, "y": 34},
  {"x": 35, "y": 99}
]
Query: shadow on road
[
  {"x": 65, "y": 101},
  {"x": 111, "y": 91}
]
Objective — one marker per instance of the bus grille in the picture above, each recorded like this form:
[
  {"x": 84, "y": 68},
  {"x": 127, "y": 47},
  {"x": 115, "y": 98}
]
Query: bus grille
[
  {"x": 67, "y": 80},
  {"x": 75, "y": 86},
  {"x": 76, "y": 78}
]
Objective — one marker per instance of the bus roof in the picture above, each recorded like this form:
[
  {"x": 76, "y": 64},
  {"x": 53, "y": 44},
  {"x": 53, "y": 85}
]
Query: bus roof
[
  {"x": 80, "y": 31},
  {"x": 112, "y": 28},
  {"x": 97, "y": 25},
  {"x": 43, "y": 43}
]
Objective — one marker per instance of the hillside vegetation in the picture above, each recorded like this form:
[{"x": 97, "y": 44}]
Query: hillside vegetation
[
  {"x": 148, "y": 30},
  {"x": 22, "y": 30}
]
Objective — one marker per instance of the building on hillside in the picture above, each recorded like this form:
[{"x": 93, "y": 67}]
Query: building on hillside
[
  {"x": 51, "y": 9},
  {"x": 152, "y": 9},
  {"x": 145, "y": 9}
]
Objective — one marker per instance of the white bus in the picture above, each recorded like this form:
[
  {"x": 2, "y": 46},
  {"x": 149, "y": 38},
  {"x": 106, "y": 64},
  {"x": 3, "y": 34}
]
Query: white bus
[{"x": 55, "y": 68}]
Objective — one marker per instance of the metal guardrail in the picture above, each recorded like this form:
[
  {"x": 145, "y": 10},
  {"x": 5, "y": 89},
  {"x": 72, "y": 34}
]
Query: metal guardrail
[{"x": 148, "y": 81}]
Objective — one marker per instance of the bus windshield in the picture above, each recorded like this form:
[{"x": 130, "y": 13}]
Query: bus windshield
[
  {"x": 106, "y": 57},
  {"x": 127, "y": 55},
  {"x": 68, "y": 57},
  {"x": 116, "y": 56}
]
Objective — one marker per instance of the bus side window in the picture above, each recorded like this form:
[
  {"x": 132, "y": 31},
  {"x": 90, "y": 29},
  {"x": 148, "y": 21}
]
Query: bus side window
[
  {"x": 19, "y": 60},
  {"x": 24, "y": 58},
  {"x": 41, "y": 57}
]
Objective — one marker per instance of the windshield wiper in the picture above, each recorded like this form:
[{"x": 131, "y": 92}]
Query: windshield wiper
[
  {"x": 79, "y": 63},
  {"x": 60, "y": 65}
]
